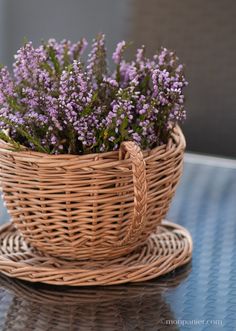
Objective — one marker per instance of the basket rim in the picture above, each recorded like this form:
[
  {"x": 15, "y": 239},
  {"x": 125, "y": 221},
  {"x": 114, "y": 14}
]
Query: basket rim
[{"x": 177, "y": 137}]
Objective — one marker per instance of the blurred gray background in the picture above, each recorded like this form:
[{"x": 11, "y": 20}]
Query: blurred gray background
[{"x": 202, "y": 33}]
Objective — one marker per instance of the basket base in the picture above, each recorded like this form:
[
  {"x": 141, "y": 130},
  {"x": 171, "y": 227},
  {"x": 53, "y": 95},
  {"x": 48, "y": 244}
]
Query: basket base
[{"x": 165, "y": 250}]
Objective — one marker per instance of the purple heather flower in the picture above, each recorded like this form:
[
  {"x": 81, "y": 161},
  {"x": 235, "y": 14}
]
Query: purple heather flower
[
  {"x": 96, "y": 67},
  {"x": 75, "y": 92},
  {"x": 7, "y": 90},
  {"x": 111, "y": 81},
  {"x": 64, "y": 103},
  {"x": 80, "y": 47},
  {"x": 7, "y": 87},
  {"x": 136, "y": 137},
  {"x": 140, "y": 54},
  {"x": 16, "y": 118},
  {"x": 53, "y": 140},
  {"x": 117, "y": 55},
  {"x": 26, "y": 65},
  {"x": 67, "y": 48}
]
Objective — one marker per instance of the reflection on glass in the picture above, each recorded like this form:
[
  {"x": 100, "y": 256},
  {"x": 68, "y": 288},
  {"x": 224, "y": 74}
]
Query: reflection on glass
[{"x": 138, "y": 306}]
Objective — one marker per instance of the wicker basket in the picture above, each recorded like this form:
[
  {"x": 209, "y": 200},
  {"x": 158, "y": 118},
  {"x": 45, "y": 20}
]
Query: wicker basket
[{"x": 90, "y": 206}]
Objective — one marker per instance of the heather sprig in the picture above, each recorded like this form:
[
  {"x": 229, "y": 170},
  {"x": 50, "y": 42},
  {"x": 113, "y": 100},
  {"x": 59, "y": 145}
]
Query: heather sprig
[{"x": 57, "y": 102}]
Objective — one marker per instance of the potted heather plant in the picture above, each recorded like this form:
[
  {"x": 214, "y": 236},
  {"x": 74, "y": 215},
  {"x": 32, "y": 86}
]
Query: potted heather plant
[{"x": 90, "y": 158}]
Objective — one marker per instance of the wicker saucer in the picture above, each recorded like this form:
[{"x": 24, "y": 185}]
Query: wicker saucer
[{"x": 170, "y": 247}]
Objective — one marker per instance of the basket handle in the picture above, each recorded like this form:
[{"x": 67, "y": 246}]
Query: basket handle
[{"x": 140, "y": 190}]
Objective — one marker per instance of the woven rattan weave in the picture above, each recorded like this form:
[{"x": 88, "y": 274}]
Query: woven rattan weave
[
  {"x": 165, "y": 250},
  {"x": 96, "y": 205},
  {"x": 72, "y": 295}
]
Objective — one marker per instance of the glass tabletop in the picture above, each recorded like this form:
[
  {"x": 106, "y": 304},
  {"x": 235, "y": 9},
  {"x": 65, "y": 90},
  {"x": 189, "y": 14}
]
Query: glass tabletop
[{"x": 200, "y": 296}]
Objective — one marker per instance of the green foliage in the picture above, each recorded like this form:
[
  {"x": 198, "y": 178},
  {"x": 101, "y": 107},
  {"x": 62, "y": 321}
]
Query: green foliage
[
  {"x": 15, "y": 145},
  {"x": 22, "y": 131}
]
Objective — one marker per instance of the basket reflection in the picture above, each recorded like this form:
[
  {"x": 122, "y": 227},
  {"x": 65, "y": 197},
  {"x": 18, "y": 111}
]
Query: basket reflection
[{"x": 139, "y": 306}]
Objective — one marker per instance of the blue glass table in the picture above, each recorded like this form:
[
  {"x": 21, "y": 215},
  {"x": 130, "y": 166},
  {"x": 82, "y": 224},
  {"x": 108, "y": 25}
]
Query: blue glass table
[{"x": 200, "y": 296}]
